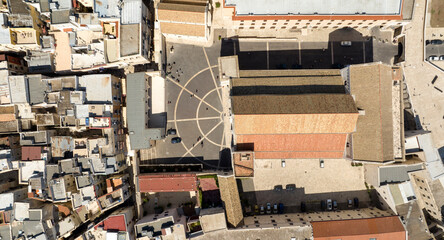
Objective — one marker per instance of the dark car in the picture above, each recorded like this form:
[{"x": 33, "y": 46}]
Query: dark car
[
  {"x": 356, "y": 202},
  {"x": 171, "y": 131},
  {"x": 436, "y": 42},
  {"x": 278, "y": 188},
  {"x": 335, "y": 205},
  {"x": 303, "y": 207},
  {"x": 176, "y": 140},
  {"x": 290, "y": 187},
  {"x": 323, "y": 205},
  {"x": 281, "y": 208}
]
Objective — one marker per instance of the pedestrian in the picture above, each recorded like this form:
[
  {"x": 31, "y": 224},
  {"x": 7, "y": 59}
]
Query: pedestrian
[
  {"x": 207, "y": 108},
  {"x": 201, "y": 144},
  {"x": 196, "y": 90},
  {"x": 174, "y": 62}
]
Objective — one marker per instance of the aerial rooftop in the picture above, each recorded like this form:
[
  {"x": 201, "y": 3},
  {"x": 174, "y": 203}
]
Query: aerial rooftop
[{"x": 314, "y": 7}]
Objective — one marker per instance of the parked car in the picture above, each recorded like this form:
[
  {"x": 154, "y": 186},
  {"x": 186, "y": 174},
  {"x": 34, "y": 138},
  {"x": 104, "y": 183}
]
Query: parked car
[
  {"x": 346, "y": 43},
  {"x": 335, "y": 205},
  {"x": 321, "y": 163},
  {"x": 329, "y": 205},
  {"x": 290, "y": 187},
  {"x": 436, "y": 42},
  {"x": 275, "y": 208},
  {"x": 356, "y": 202},
  {"x": 433, "y": 58},
  {"x": 303, "y": 207},
  {"x": 278, "y": 188},
  {"x": 176, "y": 140},
  {"x": 281, "y": 208},
  {"x": 268, "y": 208},
  {"x": 323, "y": 205},
  {"x": 441, "y": 58},
  {"x": 262, "y": 210},
  {"x": 350, "y": 203},
  {"x": 256, "y": 209},
  {"x": 283, "y": 163},
  {"x": 171, "y": 131}
]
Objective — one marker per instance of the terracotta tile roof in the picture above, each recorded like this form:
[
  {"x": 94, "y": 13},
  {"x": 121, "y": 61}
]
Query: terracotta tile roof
[
  {"x": 168, "y": 183},
  {"x": 295, "y": 123},
  {"x": 63, "y": 209},
  {"x": 382, "y": 228},
  {"x": 299, "y": 155},
  {"x": 114, "y": 223},
  {"x": 183, "y": 29},
  {"x": 31, "y": 153},
  {"x": 7, "y": 117},
  {"x": 295, "y": 142},
  {"x": 181, "y": 13},
  {"x": 243, "y": 167},
  {"x": 208, "y": 184},
  {"x": 293, "y": 104},
  {"x": 372, "y": 87}
]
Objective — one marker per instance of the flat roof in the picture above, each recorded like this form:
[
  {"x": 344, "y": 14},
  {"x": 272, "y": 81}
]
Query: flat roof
[
  {"x": 293, "y": 104},
  {"x": 129, "y": 39},
  {"x": 131, "y": 12},
  {"x": 371, "y": 85},
  {"x": 316, "y": 7},
  {"x": 98, "y": 88},
  {"x": 397, "y": 173},
  {"x": 107, "y": 8},
  {"x": 358, "y": 227},
  {"x": 137, "y": 112},
  {"x": 168, "y": 183}
]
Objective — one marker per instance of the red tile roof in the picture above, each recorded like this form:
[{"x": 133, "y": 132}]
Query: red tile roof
[
  {"x": 208, "y": 184},
  {"x": 383, "y": 228},
  {"x": 113, "y": 223},
  {"x": 300, "y": 155},
  {"x": 168, "y": 183},
  {"x": 31, "y": 153},
  {"x": 295, "y": 145}
]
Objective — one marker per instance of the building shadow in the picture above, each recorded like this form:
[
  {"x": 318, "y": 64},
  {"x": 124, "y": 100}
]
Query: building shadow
[
  {"x": 189, "y": 164},
  {"x": 345, "y": 46},
  {"x": 292, "y": 198}
]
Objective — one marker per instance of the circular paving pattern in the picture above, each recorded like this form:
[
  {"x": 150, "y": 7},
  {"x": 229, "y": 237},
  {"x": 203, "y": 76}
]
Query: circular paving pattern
[{"x": 208, "y": 113}]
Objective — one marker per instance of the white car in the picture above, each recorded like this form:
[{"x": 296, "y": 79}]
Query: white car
[
  {"x": 329, "y": 205},
  {"x": 433, "y": 58},
  {"x": 346, "y": 43},
  {"x": 441, "y": 58},
  {"x": 268, "y": 208}
]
